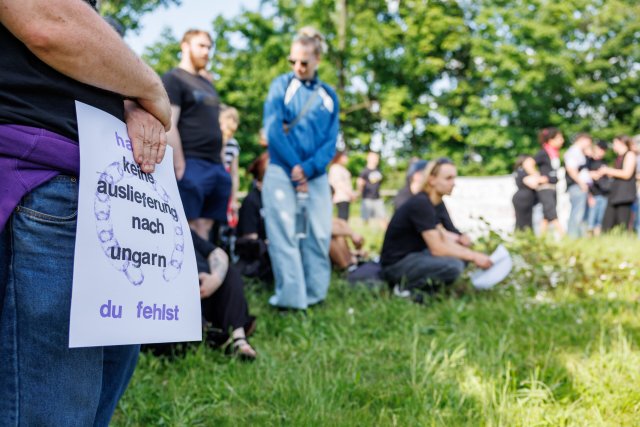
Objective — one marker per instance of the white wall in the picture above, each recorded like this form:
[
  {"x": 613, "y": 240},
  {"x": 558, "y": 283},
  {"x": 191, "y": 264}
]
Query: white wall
[{"x": 489, "y": 198}]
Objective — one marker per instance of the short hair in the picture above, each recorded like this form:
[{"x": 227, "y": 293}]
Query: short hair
[
  {"x": 309, "y": 36},
  {"x": 191, "y": 33}
]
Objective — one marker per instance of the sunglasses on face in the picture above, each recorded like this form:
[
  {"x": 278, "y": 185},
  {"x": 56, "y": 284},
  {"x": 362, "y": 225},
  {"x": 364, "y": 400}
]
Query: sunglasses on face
[{"x": 293, "y": 62}]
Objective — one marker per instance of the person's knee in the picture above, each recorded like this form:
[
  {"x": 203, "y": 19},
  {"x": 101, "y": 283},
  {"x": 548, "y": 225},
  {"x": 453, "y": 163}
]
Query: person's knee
[{"x": 453, "y": 270}]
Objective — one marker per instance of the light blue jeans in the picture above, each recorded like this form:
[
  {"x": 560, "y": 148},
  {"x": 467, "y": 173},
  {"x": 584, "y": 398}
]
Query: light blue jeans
[
  {"x": 42, "y": 381},
  {"x": 578, "y": 199},
  {"x": 301, "y": 267},
  {"x": 596, "y": 212}
]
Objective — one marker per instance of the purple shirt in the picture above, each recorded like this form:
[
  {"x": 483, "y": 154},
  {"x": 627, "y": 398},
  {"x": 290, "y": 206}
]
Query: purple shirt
[{"x": 29, "y": 157}]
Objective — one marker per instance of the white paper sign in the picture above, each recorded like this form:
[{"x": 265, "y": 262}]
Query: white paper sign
[
  {"x": 487, "y": 279},
  {"x": 135, "y": 278}
]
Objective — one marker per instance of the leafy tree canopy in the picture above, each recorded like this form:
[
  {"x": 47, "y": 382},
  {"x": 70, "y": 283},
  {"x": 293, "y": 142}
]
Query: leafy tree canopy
[{"x": 471, "y": 79}]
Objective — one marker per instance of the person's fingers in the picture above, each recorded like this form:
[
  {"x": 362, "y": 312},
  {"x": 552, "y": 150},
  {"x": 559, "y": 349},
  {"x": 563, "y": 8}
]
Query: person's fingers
[
  {"x": 162, "y": 147},
  {"x": 148, "y": 164},
  {"x": 136, "y": 145}
]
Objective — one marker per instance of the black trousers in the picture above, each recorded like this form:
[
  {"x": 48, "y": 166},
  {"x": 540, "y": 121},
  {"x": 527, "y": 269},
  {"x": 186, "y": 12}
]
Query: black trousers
[
  {"x": 523, "y": 202},
  {"x": 548, "y": 199},
  {"x": 227, "y": 308},
  {"x": 616, "y": 215}
]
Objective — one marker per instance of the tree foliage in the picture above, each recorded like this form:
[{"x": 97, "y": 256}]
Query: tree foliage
[
  {"x": 470, "y": 79},
  {"x": 129, "y": 12}
]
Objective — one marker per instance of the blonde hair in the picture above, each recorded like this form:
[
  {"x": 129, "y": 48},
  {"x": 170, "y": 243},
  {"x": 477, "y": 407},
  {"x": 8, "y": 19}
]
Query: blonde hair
[
  {"x": 311, "y": 36},
  {"x": 229, "y": 113},
  {"x": 432, "y": 169}
]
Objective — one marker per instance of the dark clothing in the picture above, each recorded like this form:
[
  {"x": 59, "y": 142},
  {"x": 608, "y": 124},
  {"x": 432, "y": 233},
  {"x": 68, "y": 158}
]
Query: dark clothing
[
  {"x": 621, "y": 197},
  {"x": 343, "y": 210},
  {"x": 547, "y": 193},
  {"x": 404, "y": 234},
  {"x": 444, "y": 218},
  {"x": 199, "y": 109},
  {"x": 253, "y": 254},
  {"x": 545, "y": 166},
  {"x": 623, "y": 191},
  {"x": 549, "y": 200},
  {"x": 441, "y": 210},
  {"x": 602, "y": 186},
  {"x": 523, "y": 200},
  {"x": 616, "y": 215},
  {"x": 250, "y": 216},
  {"x": 227, "y": 307},
  {"x": 372, "y": 181},
  {"x": 421, "y": 270},
  {"x": 34, "y": 94},
  {"x": 204, "y": 189},
  {"x": 403, "y": 195}
]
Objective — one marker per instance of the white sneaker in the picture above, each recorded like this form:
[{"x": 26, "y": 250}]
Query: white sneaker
[{"x": 402, "y": 293}]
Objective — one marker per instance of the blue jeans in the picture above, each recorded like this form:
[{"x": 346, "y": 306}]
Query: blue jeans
[
  {"x": 578, "y": 199},
  {"x": 301, "y": 267},
  {"x": 596, "y": 212},
  {"x": 42, "y": 381}
]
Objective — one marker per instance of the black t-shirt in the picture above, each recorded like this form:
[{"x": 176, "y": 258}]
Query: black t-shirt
[
  {"x": 199, "y": 109},
  {"x": 372, "y": 181},
  {"x": 34, "y": 94},
  {"x": 445, "y": 219},
  {"x": 404, "y": 234},
  {"x": 545, "y": 166},
  {"x": 203, "y": 249},
  {"x": 250, "y": 215},
  {"x": 599, "y": 187},
  {"x": 403, "y": 195}
]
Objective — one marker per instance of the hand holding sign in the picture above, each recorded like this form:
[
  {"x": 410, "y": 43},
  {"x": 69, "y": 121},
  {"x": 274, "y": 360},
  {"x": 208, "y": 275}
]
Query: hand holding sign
[{"x": 135, "y": 278}]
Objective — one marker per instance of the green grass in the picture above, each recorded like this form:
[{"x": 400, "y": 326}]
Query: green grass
[{"x": 557, "y": 344}]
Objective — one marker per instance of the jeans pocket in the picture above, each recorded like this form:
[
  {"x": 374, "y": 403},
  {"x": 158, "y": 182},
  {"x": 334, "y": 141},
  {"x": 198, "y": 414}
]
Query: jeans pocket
[{"x": 55, "y": 201}]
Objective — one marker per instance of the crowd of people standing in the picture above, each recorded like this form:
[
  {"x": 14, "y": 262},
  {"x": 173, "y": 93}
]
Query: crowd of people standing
[
  {"x": 284, "y": 230},
  {"x": 602, "y": 197}
]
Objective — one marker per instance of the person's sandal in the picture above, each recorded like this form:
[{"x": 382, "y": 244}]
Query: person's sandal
[{"x": 241, "y": 349}]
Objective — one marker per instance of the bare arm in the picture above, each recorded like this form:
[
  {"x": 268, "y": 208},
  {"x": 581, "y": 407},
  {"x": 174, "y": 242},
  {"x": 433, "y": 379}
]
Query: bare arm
[
  {"x": 440, "y": 245},
  {"x": 529, "y": 166},
  {"x": 235, "y": 183},
  {"x": 72, "y": 38},
  {"x": 174, "y": 140},
  {"x": 628, "y": 168},
  {"x": 219, "y": 265}
]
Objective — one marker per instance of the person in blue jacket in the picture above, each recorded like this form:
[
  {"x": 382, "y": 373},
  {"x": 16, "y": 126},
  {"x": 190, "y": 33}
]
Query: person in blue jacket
[{"x": 301, "y": 123}]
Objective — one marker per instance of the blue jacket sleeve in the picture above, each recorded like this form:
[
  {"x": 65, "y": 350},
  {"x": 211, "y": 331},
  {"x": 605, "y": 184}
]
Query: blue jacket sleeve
[
  {"x": 317, "y": 165},
  {"x": 279, "y": 145}
]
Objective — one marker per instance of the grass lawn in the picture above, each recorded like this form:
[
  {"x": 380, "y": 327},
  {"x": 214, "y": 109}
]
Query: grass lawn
[{"x": 557, "y": 344}]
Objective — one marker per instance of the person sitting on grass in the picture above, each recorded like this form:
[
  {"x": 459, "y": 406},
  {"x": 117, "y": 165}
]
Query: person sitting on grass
[
  {"x": 251, "y": 245},
  {"x": 342, "y": 256},
  {"x": 224, "y": 306},
  {"x": 422, "y": 249}
]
